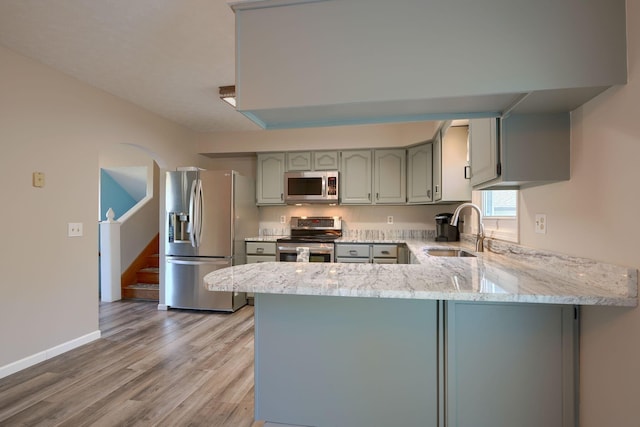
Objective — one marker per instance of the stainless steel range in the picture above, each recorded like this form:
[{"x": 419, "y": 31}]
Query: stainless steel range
[{"x": 316, "y": 233}]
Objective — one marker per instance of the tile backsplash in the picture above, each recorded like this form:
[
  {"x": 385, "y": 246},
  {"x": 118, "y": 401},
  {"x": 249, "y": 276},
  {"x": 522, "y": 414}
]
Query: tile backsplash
[{"x": 360, "y": 222}]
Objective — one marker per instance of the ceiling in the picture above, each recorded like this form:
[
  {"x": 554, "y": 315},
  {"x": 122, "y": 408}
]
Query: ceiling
[{"x": 167, "y": 56}]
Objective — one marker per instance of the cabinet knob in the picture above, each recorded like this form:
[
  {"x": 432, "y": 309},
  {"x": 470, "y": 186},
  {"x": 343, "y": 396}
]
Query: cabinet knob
[
  {"x": 369, "y": 196},
  {"x": 377, "y": 196}
]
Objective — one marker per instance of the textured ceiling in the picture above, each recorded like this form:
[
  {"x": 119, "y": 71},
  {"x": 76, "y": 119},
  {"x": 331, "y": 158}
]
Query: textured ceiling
[{"x": 167, "y": 56}]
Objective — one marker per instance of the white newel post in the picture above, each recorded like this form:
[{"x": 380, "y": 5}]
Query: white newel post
[{"x": 110, "y": 259}]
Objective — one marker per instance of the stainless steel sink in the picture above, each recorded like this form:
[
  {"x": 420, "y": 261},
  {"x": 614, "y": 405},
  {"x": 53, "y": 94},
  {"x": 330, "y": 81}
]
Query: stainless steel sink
[{"x": 449, "y": 252}]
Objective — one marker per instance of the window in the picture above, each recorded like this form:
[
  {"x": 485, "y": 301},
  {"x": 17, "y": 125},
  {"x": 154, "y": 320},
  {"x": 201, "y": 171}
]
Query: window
[
  {"x": 500, "y": 203},
  {"x": 500, "y": 212}
]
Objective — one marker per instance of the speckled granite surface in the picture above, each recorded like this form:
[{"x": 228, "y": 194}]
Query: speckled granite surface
[{"x": 504, "y": 273}]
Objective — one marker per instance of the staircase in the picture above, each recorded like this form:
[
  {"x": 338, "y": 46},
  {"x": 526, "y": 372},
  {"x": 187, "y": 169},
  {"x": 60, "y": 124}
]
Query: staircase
[{"x": 142, "y": 279}]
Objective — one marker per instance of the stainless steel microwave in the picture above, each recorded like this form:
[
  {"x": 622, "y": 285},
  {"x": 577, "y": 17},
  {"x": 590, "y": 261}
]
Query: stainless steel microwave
[{"x": 311, "y": 187}]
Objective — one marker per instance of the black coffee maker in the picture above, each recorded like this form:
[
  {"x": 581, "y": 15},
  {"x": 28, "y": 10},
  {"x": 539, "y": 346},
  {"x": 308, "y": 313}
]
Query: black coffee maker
[{"x": 444, "y": 231}]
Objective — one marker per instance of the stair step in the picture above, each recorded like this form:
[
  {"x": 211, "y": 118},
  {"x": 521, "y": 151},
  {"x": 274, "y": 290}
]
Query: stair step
[
  {"x": 143, "y": 291},
  {"x": 153, "y": 260},
  {"x": 148, "y": 275}
]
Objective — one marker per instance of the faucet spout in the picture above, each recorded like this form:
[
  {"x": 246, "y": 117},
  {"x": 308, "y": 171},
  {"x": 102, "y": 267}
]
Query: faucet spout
[{"x": 480, "y": 235}]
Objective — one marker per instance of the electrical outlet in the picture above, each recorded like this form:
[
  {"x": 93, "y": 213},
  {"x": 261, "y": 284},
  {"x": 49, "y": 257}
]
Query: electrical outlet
[
  {"x": 541, "y": 224},
  {"x": 390, "y": 219},
  {"x": 75, "y": 229},
  {"x": 283, "y": 219}
]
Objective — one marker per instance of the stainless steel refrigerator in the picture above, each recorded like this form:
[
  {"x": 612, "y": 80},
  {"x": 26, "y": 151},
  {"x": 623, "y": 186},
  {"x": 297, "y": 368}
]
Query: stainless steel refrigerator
[{"x": 208, "y": 216}]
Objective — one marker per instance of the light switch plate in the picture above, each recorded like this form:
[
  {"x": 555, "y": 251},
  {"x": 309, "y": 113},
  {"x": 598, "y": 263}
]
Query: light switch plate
[
  {"x": 541, "y": 224},
  {"x": 38, "y": 179}
]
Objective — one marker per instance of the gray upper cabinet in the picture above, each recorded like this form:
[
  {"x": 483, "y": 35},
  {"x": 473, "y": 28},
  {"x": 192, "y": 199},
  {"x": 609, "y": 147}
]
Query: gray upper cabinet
[
  {"x": 270, "y": 179},
  {"x": 419, "y": 174},
  {"x": 355, "y": 177},
  {"x": 530, "y": 149},
  {"x": 299, "y": 161},
  {"x": 450, "y": 165},
  {"x": 390, "y": 176},
  {"x": 312, "y": 160},
  {"x": 493, "y": 63},
  {"x": 325, "y": 160},
  {"x": 483, "y": 149},
  {"x": 437, "y": 166}
]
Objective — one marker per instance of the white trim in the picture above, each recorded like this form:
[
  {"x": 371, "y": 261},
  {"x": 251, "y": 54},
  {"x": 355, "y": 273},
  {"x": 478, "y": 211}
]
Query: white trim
[{"x": 34, "y": 359}]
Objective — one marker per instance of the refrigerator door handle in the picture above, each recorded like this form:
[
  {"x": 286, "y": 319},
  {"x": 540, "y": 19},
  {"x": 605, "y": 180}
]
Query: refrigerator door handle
[
  {"x": 191, "y": 228},
  {"x": 186, "y": 262},
  {"x": 199, "y": 204}
]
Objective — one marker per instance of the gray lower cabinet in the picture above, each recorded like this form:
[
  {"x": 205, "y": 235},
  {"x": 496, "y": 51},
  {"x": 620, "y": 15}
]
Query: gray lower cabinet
[
  {"x": 257, "y": 252},
  {"x": 510, "y": 365},
  {"x": 365, "y": 253},
  {"x": 346, "y": 362},
  {"x": 329, "y": 361}
]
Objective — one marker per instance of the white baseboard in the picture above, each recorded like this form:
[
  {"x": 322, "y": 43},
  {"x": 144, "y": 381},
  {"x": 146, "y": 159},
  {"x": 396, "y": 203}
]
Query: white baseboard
[
  {"x": 34, "y": 359},
  {"x": 163, "y": 307}
]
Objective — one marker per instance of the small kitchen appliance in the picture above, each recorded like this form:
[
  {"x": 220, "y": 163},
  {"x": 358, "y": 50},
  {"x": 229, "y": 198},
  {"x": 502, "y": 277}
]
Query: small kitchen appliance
[
  {"x": 315, "y": 233},
  {"x": 445, "y": 232}
]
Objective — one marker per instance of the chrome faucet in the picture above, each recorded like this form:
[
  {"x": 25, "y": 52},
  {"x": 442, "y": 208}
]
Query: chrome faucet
[{"x": 480, "y": 235}]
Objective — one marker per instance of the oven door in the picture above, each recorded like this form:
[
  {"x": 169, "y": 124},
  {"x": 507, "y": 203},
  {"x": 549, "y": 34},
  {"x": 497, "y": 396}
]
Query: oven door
[{"x": 318, "y": 252}]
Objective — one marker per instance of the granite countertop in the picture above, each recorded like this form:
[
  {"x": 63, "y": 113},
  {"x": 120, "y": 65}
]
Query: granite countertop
[{"x": 503, "y": 273}]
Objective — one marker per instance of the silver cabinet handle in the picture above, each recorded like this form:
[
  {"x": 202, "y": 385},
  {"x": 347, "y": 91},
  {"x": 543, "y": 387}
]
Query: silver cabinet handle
[
  {"x": 352, "y": 252},
  {"x": 385, "y": 252},
  {"x": 369, "y": 196},
  {"x": 282, "y": 196},
  {"x": 429, "y": 194},
  {"x": 260, "y": 250},
  {"x": 377, "y": 196}
]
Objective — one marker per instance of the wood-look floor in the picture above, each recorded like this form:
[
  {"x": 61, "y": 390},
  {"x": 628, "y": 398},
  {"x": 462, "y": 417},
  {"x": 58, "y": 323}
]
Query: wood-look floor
[{"x": 165, "y": 368}]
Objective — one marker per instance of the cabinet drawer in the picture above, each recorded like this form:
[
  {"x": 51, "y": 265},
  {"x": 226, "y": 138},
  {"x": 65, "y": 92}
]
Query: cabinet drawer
[
  {"x": 261, "y": 248},
  {"x": 360, "y": 251},
  {"x": 252, "y": 259},
  {"x": 385, "y": 251},
  {"x": 353, "y": 260},
  {"x": 385, "y": 260}
]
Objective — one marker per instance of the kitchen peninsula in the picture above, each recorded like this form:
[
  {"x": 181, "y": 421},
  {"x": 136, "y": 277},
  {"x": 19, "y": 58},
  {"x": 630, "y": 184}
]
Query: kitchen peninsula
[{"x": 478, "y": 341}]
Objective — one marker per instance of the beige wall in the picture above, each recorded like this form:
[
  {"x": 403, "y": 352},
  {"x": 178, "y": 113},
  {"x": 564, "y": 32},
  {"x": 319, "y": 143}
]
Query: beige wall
[
  {"x": 54, "y": 124},
  {"x": 596, "y": 215}
]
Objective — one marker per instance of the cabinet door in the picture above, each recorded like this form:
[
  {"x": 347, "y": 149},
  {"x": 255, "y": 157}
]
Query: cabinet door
[
  {"x": 419, "y": 174},
  {"x": 299, "y": 161},
  {"x": 270, "y": 179},
  {"x": 390, "y": 176},
  {"x": 437, "y": 167},
  {"x": 484, "y": 150},
  {"x": 510, "y": 364},
  {"x": 455, "y": 185},
  {"x": 325, "y": 160},
  {"x": 355, "y": 178}
]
